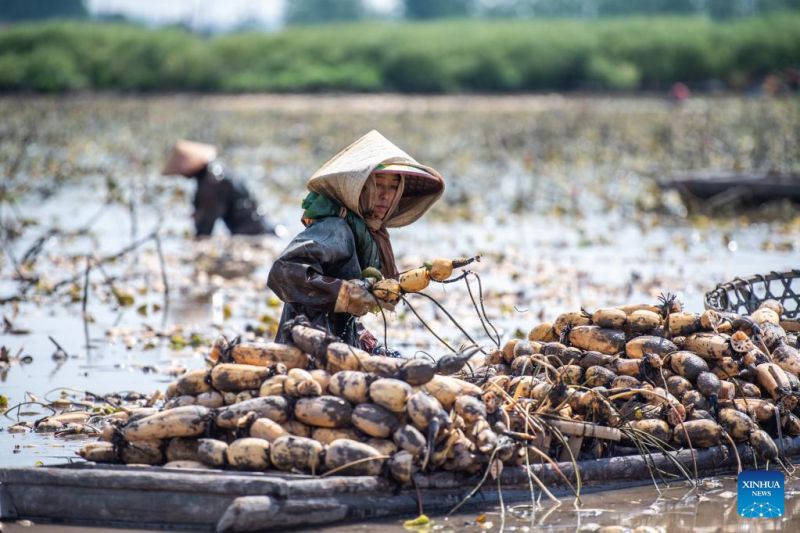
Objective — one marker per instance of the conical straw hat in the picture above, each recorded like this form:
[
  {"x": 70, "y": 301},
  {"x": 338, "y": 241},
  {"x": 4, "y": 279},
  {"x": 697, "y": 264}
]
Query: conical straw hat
[
  {"x": 188, "y": 157},
  {"x": 344, "y": 175}
]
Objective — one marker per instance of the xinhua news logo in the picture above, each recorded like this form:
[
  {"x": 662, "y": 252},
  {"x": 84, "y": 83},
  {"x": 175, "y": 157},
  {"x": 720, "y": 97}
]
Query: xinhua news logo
[{"x": 760, "y": 494}]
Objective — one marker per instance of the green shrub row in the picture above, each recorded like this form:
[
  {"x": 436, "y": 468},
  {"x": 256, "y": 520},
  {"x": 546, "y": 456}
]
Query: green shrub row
[{"x": 437, "y": 57}]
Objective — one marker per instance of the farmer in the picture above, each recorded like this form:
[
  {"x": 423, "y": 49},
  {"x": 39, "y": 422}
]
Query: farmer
[
  {"x": 369, "y": 186},
  {"x": 218, "y": 194}
]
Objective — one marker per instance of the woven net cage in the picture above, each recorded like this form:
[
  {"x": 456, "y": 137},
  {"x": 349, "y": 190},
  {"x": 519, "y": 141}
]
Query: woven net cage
[{"x": 745, "y": 295}]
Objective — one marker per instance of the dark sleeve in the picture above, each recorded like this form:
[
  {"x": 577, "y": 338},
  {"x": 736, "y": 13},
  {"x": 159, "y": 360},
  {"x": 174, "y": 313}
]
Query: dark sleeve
[
  {"x": 301, "y": 275},
  {"x": 209, "y": 204}
]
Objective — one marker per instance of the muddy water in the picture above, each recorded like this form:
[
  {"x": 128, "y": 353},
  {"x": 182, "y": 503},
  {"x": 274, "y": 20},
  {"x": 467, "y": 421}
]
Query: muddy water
[
  {"x": 104, "y": 367},
  {"x": 578, "y": 239},
  {"x": 710, "y": 507}
]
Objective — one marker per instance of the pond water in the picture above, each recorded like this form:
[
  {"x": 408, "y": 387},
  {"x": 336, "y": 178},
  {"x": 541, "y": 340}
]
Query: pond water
[{"x": 708, "y": 507}]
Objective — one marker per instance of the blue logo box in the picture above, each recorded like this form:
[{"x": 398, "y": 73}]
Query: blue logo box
[{"x": 760, "y": 494}]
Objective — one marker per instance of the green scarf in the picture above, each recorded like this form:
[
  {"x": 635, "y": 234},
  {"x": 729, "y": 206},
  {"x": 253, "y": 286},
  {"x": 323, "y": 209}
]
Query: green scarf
[{"x": 317, "y": 206}]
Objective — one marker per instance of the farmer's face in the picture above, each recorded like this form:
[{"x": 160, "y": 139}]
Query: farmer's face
[{"x": 386, "y": 186}]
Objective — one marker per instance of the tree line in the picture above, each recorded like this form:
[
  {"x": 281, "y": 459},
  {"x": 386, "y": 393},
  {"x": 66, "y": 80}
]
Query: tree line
[
  {"x": 429, "y": 57},
  {"x": 300, "y": 12}
]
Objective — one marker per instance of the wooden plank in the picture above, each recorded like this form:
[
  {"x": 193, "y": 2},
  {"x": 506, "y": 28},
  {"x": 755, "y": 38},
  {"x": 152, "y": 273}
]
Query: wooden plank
[
  {"x": 105, "y": 496},
  {"x": 339, "y": 485},
  {"x": 7, "y": 508},
  {"x": 755, "y": 188},
  {"x": 256, "y": 513},
  {"x": 572, "y": 449},
  {"x": 132, "y": 507},
  {"x": 131, "y": 478},
  {"x": 543, "y": 441}
]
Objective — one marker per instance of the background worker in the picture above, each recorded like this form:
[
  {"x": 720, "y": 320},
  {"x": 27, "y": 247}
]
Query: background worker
[{"x": 219, "y": 195}]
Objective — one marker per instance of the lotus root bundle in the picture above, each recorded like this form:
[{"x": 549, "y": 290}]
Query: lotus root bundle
[{"x": 626, "y": 379}]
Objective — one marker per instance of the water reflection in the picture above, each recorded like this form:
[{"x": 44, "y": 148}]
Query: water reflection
[{"x": 710, "y": 507}]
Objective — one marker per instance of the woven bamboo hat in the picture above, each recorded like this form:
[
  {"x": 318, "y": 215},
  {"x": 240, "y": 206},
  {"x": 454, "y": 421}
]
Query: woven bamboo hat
[
  {"x": 344, "y": 175},
  {"x": 188, "y": 157}
]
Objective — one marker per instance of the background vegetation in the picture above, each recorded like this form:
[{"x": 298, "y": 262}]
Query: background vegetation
[{"x": 442, "y": 56}]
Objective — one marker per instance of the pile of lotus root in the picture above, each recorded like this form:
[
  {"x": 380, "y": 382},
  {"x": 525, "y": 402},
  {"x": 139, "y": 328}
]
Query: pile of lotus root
[{"x": 641, "y": 376}]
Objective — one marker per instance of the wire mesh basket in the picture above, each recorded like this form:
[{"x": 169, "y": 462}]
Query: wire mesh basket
[{"x": 744, "y": 295}]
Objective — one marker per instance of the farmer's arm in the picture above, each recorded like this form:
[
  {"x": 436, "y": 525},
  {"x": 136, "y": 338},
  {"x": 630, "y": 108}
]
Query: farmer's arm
[{"x": 299, "y": 275}]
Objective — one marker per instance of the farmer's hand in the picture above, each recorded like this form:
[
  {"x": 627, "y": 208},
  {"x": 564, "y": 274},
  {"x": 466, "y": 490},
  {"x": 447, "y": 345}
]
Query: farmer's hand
[
  {"x": 368, "y": 340},
  {"x": 355, "y": 298}
]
